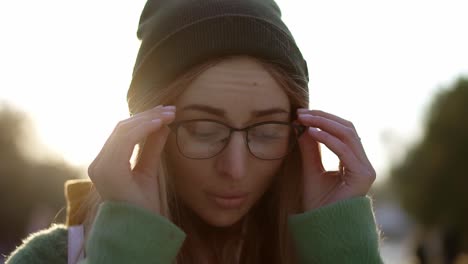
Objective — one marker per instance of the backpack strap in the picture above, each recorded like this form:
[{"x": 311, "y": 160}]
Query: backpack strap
[
  {"x": 76, "y": 192},
  {"x": 75, "y": 244}
]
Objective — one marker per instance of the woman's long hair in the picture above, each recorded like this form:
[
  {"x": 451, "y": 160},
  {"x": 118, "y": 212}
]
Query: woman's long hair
[{"x": 265, "y": 237}]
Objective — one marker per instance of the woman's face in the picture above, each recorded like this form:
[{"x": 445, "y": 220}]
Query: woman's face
[{"x": 238, "y": 92}]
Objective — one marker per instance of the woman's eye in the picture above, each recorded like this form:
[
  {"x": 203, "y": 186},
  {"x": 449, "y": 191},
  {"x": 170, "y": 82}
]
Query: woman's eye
[
  {"x": 271, "y": 136},
  {"x": 203, "y": 131},
  {"x": 267, "y": 134},
  {"x": 270, "y": 132}
]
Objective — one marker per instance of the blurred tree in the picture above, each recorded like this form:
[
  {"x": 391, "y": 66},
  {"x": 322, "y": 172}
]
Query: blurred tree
[
  {"x": 29, "y": 190},
  {"x": 432, "y": 181}
]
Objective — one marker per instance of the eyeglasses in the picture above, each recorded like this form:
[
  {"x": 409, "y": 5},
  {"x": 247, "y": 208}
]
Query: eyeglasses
[{"x": 204, "y": 138}]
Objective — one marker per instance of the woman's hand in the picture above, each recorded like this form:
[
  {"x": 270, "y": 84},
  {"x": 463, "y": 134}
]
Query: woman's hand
[
  {"x": 111, "y": 171},
  {"x": 356, "y": 173}
]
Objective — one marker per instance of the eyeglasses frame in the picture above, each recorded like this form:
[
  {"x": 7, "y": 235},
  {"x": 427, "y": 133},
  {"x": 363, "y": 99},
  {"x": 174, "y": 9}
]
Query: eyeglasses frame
[{"x": 299, "y": 129}]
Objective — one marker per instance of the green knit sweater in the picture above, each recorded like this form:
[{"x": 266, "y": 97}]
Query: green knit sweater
[{"x": 344, "y": 232}]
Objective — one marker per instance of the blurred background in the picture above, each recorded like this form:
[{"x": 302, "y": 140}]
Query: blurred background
[{"x": 397, "y": 69}]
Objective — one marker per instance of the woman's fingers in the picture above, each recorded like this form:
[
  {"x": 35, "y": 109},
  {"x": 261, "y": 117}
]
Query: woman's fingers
[
  {"x": 145, "y": 126},
  {"x": 137, "y": 134},
  {"x": 326, "y": 115},
  {"x": 340, "y": 149},
  {"x": 324, "y": 120},
  {"x": 149, "y": 159},
  {"x": 345, "y": 133},
  {"x": 127, "y": 133},
  {"x": 134, "y": 130},
  {"x": 155, "y": 113},
  {"x": 156, "y": 110},
  {"x": 340, "y": 136},
  {"x": 111, "y": 171}
]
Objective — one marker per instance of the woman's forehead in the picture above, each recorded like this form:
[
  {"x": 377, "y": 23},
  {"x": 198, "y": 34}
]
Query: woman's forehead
[{"x": 235, "y": 83}]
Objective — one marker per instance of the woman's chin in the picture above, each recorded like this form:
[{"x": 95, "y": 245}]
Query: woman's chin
[{"x": 223, "y": 219}]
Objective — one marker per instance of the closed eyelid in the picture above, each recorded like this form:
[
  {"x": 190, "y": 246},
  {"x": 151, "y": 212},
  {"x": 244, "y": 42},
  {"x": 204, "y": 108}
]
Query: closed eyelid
[{"x": 232, "y": 127}]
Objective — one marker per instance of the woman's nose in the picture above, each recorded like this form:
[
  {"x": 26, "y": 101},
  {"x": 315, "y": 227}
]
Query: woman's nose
[{"x": 232, "y": 161}]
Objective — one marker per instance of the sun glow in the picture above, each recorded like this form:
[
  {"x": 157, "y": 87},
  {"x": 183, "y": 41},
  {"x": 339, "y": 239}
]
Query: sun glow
[{"x": 69, "y": 66}]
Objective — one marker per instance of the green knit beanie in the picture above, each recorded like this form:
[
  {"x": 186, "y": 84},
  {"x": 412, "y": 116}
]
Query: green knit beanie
[{"x": 179, "y": 34}]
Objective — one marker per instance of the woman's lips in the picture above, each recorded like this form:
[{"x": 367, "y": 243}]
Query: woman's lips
[{"x": 229, "y": 201}]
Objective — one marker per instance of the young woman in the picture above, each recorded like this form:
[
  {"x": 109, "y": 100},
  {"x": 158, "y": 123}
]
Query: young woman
[{"x": 228, "y": 167}]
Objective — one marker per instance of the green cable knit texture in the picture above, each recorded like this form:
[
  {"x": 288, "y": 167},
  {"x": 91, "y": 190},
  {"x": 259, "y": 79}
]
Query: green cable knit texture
[
  {"x": 344, "y": 232},
  {"x": 44, "y": 247}
]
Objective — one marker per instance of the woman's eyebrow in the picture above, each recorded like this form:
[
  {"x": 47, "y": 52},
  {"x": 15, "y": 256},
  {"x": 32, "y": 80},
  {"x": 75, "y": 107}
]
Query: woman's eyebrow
[
  {"x": 222, "y": 112},
  {"x": 271, "y": 111},
  {"x": 205, "y": 108}
]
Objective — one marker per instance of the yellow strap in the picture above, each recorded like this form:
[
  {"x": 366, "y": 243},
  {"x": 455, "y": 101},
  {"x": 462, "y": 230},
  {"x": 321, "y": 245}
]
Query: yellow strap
[{"x": 76, "y": 192}]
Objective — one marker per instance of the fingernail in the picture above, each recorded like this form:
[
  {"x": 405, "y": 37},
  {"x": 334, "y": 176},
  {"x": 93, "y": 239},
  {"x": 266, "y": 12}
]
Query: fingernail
[
  {"x": 169, "y": 107},
  {"x": 168, "y": 113},
  {"x": 313, "y": 130},
  {"x": 302, "y": 110},
  {"x": 305, "y": 116},
  {"x": 157, "y": 120}
]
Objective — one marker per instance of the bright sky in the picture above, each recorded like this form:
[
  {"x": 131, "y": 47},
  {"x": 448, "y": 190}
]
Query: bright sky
[{"x": 375, "y": 63}]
